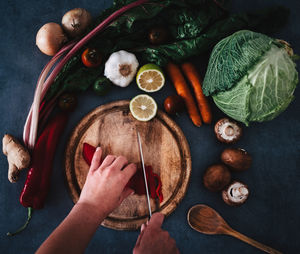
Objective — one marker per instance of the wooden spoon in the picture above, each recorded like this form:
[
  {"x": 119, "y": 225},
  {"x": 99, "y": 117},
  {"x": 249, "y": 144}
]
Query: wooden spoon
[{"x": 206, "y": 220}]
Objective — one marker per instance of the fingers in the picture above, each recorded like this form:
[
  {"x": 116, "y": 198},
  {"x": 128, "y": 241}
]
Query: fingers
[
  {"x": 114, "y": 163},
  {"x": 138, "y": 241},
  {"x": 119, "y": 163},
  {"x": 109, "y": 159},
  {"x": 129, "y": 171},
  {"x": 156, "y": 220},
  {"x": 96, "y": 159},
  {"x": 143, "y": 227}
]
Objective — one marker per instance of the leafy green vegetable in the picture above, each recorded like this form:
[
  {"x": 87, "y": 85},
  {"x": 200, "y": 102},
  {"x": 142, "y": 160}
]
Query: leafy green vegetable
[
  {"x": 129, "y": 32},
  {"x": 75, "y": 77},
  {"x": 251, "y": 77},
  {"x": 232, "y": 58},
  {"x": 195, "y": 27},
  {"x": 180, "y": 50}
]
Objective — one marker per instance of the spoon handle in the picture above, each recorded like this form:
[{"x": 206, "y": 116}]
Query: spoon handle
[{"x": 252, "y": 242}]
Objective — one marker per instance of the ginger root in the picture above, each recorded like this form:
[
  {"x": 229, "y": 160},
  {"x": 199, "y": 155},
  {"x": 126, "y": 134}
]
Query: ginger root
[{"x": 18, "y": 157}]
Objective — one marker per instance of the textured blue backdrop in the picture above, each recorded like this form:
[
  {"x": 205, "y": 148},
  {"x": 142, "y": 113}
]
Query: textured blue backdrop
[{"x": 271, "y": 215}]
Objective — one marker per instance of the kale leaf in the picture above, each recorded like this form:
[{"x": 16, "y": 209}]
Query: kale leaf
[{"x": 195, "y": 27}]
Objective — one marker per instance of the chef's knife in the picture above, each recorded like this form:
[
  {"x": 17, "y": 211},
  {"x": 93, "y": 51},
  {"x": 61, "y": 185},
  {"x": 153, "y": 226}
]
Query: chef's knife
[{"x": 144, "y": 171}]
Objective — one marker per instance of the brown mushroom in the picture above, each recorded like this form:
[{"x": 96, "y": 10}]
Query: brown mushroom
[
  {"x": 228, "y": 131},
  {"x": 235, "y": 194},
  {"x": 216, "y": 177},
  {"x": 236, "y": 159}
]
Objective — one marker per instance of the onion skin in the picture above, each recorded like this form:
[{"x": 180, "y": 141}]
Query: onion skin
[
  {"x": 50, "y": 38},
  {"x": 76, "y": 21}
]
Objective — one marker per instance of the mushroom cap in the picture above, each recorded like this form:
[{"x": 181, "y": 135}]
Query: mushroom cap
[
  {"x": 228, "y": 131},
  {"x": 216, "y": 177},
  {"x": 235, "y": 194},
  {"x": 236, "y": 159}
]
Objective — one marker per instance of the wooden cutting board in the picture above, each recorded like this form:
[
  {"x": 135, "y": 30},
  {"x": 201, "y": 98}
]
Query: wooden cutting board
[{"x": 165, "y": 148}]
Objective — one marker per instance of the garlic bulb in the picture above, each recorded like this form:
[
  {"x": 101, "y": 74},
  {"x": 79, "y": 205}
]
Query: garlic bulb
[{"x": 121, "y": 68}]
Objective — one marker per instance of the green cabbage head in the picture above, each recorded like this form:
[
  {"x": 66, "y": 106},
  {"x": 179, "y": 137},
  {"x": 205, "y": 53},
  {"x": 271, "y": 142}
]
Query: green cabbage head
[{"x": 251, "y": 76}]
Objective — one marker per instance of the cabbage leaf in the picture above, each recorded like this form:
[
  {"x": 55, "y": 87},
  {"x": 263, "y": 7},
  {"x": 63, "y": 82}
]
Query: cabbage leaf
[
  {"x": 258, "y": 80},
  {"x": 231, "y": 59}
]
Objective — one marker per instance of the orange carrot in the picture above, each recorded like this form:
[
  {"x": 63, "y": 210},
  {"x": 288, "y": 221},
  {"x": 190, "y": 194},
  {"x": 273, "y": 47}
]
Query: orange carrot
[
  {"x": 184, "y": 91},
  {"x": 192, "y": 75}
]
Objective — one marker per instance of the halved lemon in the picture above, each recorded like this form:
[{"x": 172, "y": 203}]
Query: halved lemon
[
  {"x": 143, "y": 107},
  {"x": 150, "y": 78}
]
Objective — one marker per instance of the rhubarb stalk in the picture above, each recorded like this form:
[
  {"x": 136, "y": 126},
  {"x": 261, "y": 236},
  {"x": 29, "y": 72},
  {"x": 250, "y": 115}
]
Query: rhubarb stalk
[{"x": 30, "y": 130}]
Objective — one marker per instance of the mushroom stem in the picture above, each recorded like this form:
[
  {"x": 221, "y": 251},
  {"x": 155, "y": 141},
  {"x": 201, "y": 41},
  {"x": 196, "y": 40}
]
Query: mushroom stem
[
  {"x": 235, "y": 194},
  {"x": 229, "y": 131},
  {"x": 240, "y": 191}
]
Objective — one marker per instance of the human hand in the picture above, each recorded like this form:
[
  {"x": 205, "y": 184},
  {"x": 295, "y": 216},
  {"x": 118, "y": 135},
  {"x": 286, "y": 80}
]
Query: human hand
[
  {"x": 153, "y": 239},
  {"x": 105, "y": 185}
]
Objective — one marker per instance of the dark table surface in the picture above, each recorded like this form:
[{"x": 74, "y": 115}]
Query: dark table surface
[{"x": 271, "y": 215}]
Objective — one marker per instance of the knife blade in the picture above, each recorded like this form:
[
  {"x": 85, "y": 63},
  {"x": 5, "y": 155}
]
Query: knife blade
[{"x": 144, "y": 171}]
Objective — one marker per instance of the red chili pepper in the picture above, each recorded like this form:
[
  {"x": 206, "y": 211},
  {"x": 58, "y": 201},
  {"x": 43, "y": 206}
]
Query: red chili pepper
[
  {"x": 137, "y": 182},
  {"x": 38, "y": 179}
]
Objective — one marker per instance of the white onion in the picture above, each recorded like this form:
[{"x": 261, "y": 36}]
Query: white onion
[
  {"x": 50, "y": 38},
  {"x": 76, "y": 21}
]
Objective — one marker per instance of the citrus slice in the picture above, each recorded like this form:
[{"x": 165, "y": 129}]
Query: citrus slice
[
  {"x": 143, "y": 107},
  {"x": 150, "y": 78}
]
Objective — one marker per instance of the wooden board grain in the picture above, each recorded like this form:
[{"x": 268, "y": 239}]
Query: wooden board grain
[{"x": 165, "y": 148}]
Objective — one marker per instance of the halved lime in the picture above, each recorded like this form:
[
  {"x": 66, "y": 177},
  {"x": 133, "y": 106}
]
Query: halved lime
[
  {"x": 143, "y": 107},
  {"x": 150, "y": 78}
]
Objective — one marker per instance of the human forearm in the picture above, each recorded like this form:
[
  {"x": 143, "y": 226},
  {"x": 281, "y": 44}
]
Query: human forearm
[
  {"x": 103, "y": 191},
  {"x": 75, "y": 232}
]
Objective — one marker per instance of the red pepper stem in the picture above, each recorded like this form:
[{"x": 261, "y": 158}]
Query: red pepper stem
[{"x": 25, "y": 225}]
